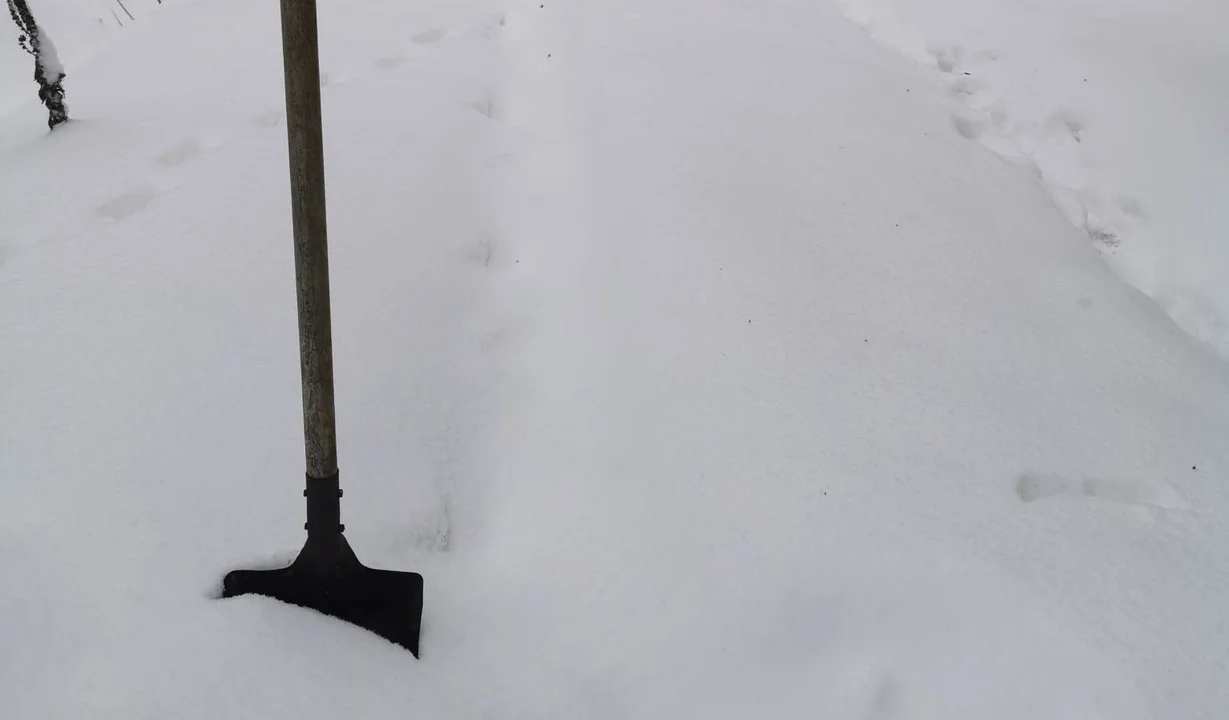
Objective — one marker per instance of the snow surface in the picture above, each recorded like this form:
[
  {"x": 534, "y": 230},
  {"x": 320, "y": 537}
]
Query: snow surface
[
  {"x": 689, "y": 350},
  {"x": 1119, "y": 108}
]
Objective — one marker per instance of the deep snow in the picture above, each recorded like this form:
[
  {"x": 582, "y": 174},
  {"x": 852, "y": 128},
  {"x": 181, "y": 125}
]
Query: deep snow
[
  {"x": 698, "y": 362},
  {"x": 1118, "y": 107}
]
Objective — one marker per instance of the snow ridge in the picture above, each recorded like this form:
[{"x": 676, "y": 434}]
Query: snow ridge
[{"x": 1049, "y": 141}]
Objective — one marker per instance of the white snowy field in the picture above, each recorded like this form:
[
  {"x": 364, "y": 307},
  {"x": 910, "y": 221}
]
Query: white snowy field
[{"x": 690, "y": 350}]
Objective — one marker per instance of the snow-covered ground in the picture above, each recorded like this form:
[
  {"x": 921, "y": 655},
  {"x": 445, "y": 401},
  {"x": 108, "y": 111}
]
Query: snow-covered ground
[
  {"x": 689, "y": 349},
  {"x": 1118, "y": 107}
]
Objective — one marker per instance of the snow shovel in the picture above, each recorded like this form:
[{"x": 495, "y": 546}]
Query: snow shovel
[{"x": 326, "y": 576}]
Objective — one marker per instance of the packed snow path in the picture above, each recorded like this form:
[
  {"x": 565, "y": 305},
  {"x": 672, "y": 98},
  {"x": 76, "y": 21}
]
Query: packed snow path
[{"x": 697, "y": 362}]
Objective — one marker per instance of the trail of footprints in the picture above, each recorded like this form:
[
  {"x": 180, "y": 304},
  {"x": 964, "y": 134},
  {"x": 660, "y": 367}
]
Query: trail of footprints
[
  {"x": 134, "y": 200},
  {"x": 1036, "y": 486},
  {"x": 1030, "y": 487},
  {"x": 1053, "y": 146}
]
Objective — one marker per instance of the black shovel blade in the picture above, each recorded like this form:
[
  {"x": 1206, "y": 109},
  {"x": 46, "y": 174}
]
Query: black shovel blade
[{"x": 328, "y": 578}]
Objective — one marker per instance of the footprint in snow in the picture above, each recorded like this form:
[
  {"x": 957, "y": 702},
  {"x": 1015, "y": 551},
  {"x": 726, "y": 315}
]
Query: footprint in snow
[
  {"x": 968, "y": 127},
  {"x": 882, "y": 697},
  {"x": 185, "y": 151},
  {"x": 486, "y": 108},
  {"x": 1032, "y": 486},
  {"x": 427, "y": 37},
  {"x": 334, "y": 78},
  {"x": 494, "y": 26},
  {"x": 267, "y": 119},
  {"x": 1066, "y": 121},
  {"x": 126, "y": 205},
  {"x": 948, "y": 58},
  {"x": 480, "y": 252}
]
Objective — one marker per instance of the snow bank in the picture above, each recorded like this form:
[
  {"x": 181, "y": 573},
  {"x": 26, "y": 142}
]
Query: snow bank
[{"x": 1116, "y": 106}]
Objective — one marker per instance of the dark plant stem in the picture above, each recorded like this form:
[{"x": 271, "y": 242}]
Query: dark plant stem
[{"x": 48, "y": 72}]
